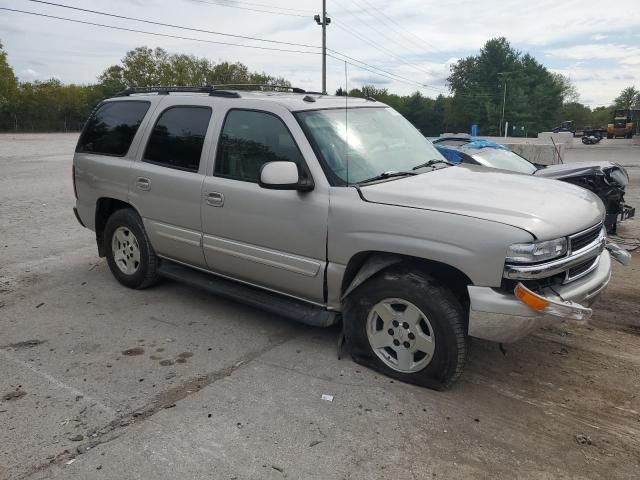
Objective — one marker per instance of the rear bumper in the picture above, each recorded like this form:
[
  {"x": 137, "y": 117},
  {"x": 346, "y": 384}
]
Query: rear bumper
[
  {"x": 75, "y": 212},
  {"x": 499, "y": 316}
]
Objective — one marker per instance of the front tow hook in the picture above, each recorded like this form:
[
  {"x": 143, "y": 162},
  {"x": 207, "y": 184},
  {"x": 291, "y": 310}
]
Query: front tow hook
[{"x": 618, "y": 253}]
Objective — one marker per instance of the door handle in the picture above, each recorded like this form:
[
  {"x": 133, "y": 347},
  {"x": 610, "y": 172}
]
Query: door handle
[
  {"x": 215, "y": 199},
  {"x": 143, "y": 183}
]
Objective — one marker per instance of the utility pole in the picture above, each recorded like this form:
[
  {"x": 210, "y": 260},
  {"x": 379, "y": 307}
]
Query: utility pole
[
  {"x": 504, "y": 98},
  {"x": 323, "y": 21}
]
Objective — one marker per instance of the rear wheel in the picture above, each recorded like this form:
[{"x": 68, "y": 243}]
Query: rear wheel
[
  {"x": 403, "y": 323},
  {"x": 609, "y": 136},
  {"x": 129, "y": 254}
]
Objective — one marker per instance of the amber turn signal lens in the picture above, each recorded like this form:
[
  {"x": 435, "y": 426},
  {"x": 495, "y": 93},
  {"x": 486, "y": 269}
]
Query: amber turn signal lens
[{"x": 530, "y": 299}]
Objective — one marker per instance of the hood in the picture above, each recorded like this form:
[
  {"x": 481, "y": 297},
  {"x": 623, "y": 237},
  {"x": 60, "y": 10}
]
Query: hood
[
  {"x": 579, "y": 169},
  {"x": 545, "y": 208}
]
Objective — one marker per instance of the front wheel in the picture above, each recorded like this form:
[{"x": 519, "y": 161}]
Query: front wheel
[
  {"x": 129, "y": 254},
  {"x": 407, "y": 325}
]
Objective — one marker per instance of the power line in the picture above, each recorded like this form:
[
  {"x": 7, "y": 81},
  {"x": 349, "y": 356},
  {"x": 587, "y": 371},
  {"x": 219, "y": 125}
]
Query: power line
[
  {"x": 179, "y": 37},
  {"x": 380, "y": 31},
  {"x": 368, "y": 70},
  {"x": 212, "y": 2},
  {"x": 360, "y": 64},
  {"x": 151, "y": 22},
  {"x": 97, "y": 12},
  {"x": 266, "y": 6},
  {"x": 401, "y": 30},
  {"x": 384, "y": 71},
  {"x": 381, "y": 49}
]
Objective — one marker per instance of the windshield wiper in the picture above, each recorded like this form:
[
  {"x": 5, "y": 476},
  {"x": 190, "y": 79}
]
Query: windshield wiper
[
  {"x": 388, "y": 174},
  {"x": 432, "y": 162}
]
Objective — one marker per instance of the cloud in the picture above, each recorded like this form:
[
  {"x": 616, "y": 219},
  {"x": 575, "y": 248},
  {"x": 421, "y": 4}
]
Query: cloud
[
  {"x": 596, "y": 47},
  {"x": 29, "y": 74},
  {"x": 370, "y": 79},
  {"x": 609, "y": 51}
]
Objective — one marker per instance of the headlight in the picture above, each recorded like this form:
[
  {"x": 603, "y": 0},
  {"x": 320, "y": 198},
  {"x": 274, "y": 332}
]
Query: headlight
[
  {"x": 619, "y": 176},
  {"x": 537, "y": 251}
]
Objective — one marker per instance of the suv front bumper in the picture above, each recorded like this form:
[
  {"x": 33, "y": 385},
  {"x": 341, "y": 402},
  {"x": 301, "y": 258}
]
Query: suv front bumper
[{"x": 501, "y": 317}]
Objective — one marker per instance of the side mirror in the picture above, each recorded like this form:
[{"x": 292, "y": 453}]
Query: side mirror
[{"x": 282, "y": 175}]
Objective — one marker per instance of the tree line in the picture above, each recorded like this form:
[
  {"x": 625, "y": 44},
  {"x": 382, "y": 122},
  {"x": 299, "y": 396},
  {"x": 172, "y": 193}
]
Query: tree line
[{"x": 498, "y": 83}]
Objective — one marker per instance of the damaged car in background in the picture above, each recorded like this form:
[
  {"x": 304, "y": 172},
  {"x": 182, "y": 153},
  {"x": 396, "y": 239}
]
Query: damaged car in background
[{"x": 606, "y": 179}]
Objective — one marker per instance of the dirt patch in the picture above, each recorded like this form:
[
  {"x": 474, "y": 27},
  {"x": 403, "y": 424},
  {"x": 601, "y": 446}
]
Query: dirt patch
[
  {"x": 185, "y": 355},
  {"x": 131, "y": 352},
  {"x": 166, "y": 363},
  {"x": 26, "y": 344},
  {"x": 15, "y": 395}
]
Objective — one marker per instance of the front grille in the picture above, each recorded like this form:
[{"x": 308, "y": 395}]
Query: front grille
[
  {"x": 581, "y": 240},
  {"x": 575, "y": 272}
]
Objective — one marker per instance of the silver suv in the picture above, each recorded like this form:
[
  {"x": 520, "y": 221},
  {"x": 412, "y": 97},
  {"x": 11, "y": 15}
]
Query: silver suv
[{"x": 321, "y": 208}]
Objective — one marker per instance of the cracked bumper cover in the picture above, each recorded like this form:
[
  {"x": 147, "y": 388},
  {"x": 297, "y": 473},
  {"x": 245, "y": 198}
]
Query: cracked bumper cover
[{"x": 499, "y": 316}]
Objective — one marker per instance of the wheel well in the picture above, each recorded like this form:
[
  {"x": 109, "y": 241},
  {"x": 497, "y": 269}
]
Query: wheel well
[
  {"x": 456, "y": 280},
  {"x": 105, "y": 207}
]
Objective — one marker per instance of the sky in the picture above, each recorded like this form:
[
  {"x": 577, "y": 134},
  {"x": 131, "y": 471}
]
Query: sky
[{"x": 401, "y": 45}]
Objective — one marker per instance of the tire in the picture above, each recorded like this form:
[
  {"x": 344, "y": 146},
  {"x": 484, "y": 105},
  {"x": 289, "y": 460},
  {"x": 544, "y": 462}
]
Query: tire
[
  {"x": 441, "y": 319},
  {"x": 129, "y": 253},
  {"x": 609, "y": 136}
]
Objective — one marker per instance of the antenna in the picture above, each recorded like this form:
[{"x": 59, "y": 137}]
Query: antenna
[{"x": 346, "y": 120}]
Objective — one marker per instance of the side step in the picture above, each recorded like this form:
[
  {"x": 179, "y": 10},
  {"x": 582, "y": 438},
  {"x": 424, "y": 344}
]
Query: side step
[{"x": 271, "y": 302}]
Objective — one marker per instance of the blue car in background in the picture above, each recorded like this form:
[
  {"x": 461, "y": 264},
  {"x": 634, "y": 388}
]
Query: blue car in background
[{"x": 606, "y": 179}]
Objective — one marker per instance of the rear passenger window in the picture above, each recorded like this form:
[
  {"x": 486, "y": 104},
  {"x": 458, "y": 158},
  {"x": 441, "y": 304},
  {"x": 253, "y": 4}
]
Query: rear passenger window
[
  {"x": 111, "y": 128},
  {"x": 178, "y": 137},
  {"x": 250, "y": 139}
]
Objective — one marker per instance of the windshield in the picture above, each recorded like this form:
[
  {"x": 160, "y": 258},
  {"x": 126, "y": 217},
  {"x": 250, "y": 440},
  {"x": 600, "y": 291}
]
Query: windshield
[
  {"x": 504, "y": 160},
  {"x": 373, "y": 140}
]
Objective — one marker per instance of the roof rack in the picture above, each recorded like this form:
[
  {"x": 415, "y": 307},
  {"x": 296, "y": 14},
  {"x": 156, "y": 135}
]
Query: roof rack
[
  {"x": 162, "y": 90},
  {"x": 212, "y": 90},
  {"x": 262, "y": 85}
]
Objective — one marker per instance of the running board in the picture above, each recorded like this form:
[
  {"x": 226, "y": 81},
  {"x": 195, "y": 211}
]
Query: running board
[{"x": 255, "y": 297}]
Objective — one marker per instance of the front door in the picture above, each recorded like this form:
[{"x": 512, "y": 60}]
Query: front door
[
  {"x": 271, "y": 238},
  {"x": 167, "y": 182}
]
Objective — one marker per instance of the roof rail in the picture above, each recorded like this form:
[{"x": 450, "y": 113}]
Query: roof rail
[
  {"x": 263, "y": 85},
  {"x": 165, "y": 90}
]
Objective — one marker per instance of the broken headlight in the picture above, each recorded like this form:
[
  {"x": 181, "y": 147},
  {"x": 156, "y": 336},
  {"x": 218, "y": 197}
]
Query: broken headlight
[
  {"x": 619, "y": 176},
  {"x": 537, "y": 251}
]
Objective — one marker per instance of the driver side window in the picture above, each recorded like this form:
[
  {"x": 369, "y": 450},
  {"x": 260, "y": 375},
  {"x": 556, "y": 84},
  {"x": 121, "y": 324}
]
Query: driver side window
[{"x": 250, "y": 139}]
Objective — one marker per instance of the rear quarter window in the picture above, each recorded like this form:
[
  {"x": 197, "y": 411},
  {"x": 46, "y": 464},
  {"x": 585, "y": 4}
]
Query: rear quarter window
[{"x": 111, "y": 128}]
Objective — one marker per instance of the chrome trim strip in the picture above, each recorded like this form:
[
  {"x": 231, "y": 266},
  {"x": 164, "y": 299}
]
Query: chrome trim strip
[
  {"x": 271, "y": 258},
  {"x": 177, "y": 234}
]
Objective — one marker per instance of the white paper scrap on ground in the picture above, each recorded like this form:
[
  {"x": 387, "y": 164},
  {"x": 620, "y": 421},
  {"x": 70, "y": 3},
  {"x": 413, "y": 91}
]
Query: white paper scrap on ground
[{"x": 328, "y": 398}]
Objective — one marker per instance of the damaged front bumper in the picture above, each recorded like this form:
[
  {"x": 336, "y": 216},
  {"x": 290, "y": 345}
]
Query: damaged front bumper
[{"x": 501, "y": 316}]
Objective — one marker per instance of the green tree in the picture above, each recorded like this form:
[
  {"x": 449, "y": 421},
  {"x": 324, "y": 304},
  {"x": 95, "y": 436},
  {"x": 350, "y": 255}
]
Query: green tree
[
  {"x": 533, "y": 95},
  {"x": 146, "y": 67},
  {"x": 629, "y": 98},
  {"x": 8, "y": 90}
]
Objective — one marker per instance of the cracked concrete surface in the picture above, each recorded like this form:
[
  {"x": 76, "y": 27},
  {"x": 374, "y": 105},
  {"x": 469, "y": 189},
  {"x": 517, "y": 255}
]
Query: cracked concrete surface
[{"x": 212, "y": 389}]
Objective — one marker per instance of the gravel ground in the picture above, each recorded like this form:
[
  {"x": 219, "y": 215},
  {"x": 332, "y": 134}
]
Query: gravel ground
[{"x": 103, "y": 382}]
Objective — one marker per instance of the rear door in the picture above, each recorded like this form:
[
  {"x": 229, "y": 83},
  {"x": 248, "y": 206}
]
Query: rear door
[
  {"x": 167, "y": 178},
  {"x": 272, "y": 238},
  {"x": 109, "y": 142}
]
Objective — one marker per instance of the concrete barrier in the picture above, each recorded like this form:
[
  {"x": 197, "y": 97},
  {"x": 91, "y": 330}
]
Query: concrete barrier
[
  {"x": 541, "y": 153},
  {"x": 536, "y": 150},
  {"x": 565, "y": 138}
]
